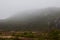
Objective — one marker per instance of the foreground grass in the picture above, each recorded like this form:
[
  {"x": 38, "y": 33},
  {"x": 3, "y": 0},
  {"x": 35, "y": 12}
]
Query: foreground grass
[{"x": 52, "y": 35}]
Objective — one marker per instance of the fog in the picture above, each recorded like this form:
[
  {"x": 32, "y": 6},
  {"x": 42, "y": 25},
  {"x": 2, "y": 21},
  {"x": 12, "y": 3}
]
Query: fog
[{"x": 11, "y": 7}]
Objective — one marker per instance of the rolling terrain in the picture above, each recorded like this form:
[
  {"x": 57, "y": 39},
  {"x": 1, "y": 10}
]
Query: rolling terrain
[{"x": 36, "y": 20}]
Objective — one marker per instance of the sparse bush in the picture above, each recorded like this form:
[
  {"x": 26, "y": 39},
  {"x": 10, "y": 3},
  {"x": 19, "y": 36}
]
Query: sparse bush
[
  {"x": 27, "y": 34},
  {"x": 54, "y": 35}
]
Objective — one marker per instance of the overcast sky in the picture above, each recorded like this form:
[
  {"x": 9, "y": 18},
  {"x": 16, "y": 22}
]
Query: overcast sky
[{"x": 10, "y": 7}]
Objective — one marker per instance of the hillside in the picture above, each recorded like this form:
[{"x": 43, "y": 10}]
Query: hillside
[{"x": 31, "y": 20}]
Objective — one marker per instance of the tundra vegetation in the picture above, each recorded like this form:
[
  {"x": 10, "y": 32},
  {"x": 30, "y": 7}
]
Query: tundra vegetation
[{"x": 52, "y": 35}]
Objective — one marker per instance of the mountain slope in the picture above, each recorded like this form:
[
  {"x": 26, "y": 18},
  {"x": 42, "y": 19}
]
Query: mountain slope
[{"x": 32, "y": 20}]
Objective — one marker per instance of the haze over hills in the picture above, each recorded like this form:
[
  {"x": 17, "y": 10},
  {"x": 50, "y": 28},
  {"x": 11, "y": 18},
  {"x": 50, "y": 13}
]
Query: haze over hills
[{"x": 33, "y": 20}]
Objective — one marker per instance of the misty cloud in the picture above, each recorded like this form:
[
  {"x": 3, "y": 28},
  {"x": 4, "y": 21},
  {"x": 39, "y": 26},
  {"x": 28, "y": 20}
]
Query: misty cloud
[{"x": 11, "y": 7}]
